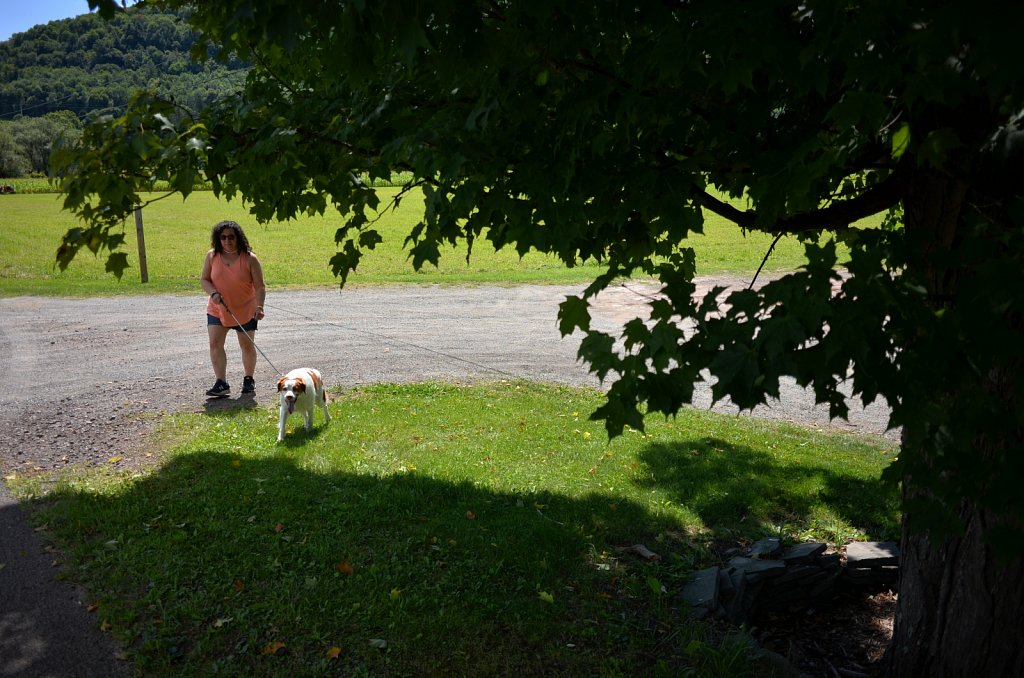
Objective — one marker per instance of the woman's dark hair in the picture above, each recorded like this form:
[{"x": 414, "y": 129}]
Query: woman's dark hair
[{"x": 240, "y": 239}]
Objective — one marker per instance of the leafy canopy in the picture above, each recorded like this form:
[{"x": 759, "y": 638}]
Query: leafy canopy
[{"x": 603, "y": 130}]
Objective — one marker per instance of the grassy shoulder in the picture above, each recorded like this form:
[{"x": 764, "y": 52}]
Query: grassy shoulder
[
  {"x": 297, "y": 253},
  {"x": 440, "y": 528}
]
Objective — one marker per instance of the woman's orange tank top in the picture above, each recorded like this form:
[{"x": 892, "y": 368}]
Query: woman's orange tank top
[{"x": 235, "y": 285}]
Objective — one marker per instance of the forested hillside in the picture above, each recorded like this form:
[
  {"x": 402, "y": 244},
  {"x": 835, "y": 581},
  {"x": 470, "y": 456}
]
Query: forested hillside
[
  {"x": 88, "y": 65},
  {"x": 54, "y": 77}
]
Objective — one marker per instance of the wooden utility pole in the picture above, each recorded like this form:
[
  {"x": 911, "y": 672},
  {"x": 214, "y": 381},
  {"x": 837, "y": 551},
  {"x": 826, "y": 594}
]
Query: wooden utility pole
[{"x": 142, "y": 245}]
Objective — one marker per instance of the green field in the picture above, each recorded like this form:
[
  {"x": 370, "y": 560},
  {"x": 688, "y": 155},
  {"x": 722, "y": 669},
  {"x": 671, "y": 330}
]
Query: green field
[{"x": 297, "y": 253}]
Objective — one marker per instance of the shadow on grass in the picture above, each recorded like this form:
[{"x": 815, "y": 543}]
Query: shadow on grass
[
  {"x": 738, "y": 490},
  {"x": 296, "y": 436},
  {"x": 201, "y": 566},
  {"x": 221, "y": 563},
  {"x": 228, "y": 405}
]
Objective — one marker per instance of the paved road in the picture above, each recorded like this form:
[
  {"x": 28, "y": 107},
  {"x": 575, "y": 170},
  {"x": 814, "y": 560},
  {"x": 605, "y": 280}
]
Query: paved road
[{"x": 78, "y": 372}]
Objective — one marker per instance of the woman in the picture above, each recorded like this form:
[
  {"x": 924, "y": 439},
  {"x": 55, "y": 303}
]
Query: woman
[{"x": 233, "y": 279}]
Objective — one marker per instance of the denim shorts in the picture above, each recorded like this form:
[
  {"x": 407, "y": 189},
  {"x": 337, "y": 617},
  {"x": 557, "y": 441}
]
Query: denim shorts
[{"x": 248, "y": 327}]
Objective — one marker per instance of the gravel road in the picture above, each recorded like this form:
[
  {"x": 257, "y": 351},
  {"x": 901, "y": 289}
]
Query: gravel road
[{"x": 80, "y": 372}]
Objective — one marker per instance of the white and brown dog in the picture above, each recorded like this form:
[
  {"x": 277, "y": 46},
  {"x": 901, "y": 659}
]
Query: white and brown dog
[{"x": 301, "y": 389}]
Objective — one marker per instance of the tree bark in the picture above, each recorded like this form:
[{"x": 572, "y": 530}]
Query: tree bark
[{"x": 960, "y": 610}]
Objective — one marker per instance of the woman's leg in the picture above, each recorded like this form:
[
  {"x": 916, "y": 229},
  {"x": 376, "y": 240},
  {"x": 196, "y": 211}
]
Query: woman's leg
[
  {"x": 248, "y": 347},
  {"x": 218, "y": 356}
]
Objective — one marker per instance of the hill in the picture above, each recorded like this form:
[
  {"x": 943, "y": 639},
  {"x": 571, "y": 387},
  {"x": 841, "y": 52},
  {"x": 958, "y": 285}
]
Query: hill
[{"x": 87, "y": 65}]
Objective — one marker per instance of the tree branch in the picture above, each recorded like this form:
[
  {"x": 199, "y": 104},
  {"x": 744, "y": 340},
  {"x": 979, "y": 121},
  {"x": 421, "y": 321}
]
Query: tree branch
[
  {"x": 835, "y": 217},
  {"x": 266, "y": 67},
  {"x": 764, "y": 261}
]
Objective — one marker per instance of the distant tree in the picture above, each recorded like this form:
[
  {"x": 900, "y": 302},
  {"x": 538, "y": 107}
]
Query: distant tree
[
  {"x": 13, "y": 162},
  {"x": 36, "y": 137},
  {"x": 598, "y": 130}
]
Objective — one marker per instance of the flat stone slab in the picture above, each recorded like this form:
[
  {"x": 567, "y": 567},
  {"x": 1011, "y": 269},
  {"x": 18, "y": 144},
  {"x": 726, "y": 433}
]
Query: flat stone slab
[
  {"x": 872, "y": 554},
  {"x": 765, "y": 548},
  {"x": 755, "y": 569},
  {"x": 725, "y": 586},
  {"x": 802, "y": 553},
  {"x": 795, "y": 573},
  {"x": 702, "y": 592}
]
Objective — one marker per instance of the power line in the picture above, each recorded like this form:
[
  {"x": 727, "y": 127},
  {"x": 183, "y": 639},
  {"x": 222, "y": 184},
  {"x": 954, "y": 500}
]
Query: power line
[{"x": 22, "y": 109}]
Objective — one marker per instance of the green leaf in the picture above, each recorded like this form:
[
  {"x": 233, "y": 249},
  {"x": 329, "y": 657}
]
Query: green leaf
[
  {"x": 370, "y": 239},
  {"x": 736, "y": 363},
  {"x": 425, "y": 251},
  {"x": 573, "y": 314},
  {"x": 117, "y": 262},
  {"x": 900, "y": 141},
  {"x": 938, "y": 145},
  {"x": 165, "y": 123},
  {"x": 596, "y": 349},
  {"x": 345, "y": 261}
]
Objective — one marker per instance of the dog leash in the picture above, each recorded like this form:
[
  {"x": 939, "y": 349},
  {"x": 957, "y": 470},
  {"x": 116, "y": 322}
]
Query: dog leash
[
  {"x": 397, "y": 342},
  {"x": 242, "y": 329}
]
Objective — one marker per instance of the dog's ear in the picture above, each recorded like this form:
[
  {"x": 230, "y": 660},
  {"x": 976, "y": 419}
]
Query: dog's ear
[
  {"x": 300, "y": 386},
  {"x": 280, "y": 383}
]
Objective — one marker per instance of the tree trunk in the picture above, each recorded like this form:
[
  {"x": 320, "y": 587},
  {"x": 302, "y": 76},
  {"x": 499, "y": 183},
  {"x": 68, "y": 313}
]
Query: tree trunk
[{"x": 960, "y": 610}]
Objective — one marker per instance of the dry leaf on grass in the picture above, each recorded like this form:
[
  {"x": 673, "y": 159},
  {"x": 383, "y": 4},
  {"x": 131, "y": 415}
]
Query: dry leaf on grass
[
  {"x": 272, "y": 648},
  {"x": 642, "y": 551}
]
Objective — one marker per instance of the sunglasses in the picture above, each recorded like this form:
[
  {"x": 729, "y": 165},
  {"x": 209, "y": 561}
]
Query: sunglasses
[{"x": 230, "y": 236}]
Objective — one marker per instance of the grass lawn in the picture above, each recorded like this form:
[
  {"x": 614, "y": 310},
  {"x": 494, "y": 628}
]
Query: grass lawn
[
  {"x": 445, "y": 529},
  {"x": 297, "y": 253}
]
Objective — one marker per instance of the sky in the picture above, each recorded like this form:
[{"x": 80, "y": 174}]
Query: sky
[{"x": 17, "y": 16}]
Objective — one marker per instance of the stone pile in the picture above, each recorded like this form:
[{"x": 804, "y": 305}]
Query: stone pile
[{"x": 771, "y": 578}]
